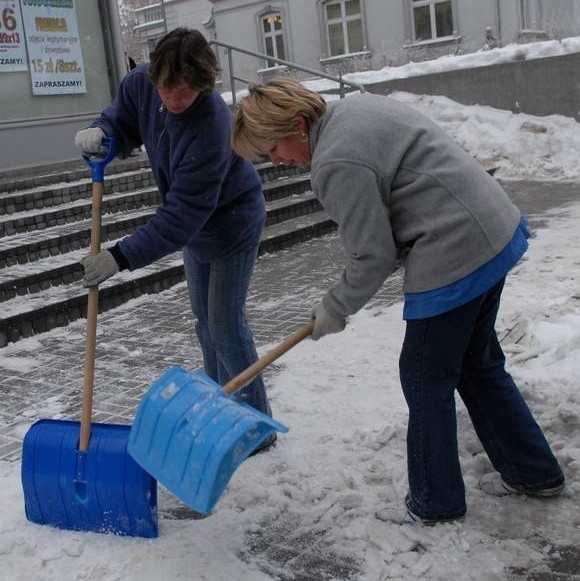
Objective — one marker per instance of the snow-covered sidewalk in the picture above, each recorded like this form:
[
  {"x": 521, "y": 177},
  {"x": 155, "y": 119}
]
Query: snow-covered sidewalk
[
  {"x": 306, "y": 509},
  {"x": 314, "y": 497}
]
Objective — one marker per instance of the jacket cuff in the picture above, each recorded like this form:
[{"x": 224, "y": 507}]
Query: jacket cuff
[
  {"x": 330, "y": 308},
  {"x": 119, "y": 257}
]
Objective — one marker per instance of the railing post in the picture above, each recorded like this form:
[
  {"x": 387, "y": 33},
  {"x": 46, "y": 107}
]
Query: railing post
[{"x": 232, "y": 77}]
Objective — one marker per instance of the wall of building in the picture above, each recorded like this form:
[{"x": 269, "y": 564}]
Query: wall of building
[
  {"x": 561, "y": 18},
  {"x": 546, "y": 86},
  {"x": 305, "y": 43},
  {"x": 235, "y": 24},
  {"x": 190, "y": 13}
]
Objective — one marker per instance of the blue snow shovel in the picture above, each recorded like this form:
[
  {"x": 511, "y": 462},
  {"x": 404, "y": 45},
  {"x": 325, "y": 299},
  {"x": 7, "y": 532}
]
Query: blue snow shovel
[
  {"x": 191, "y": 435},
  {"x": 79, "y": 476}
]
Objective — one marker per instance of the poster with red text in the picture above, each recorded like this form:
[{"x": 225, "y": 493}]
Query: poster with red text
[
  {"x": 12, "y": 46},
  {"x": 54, "y": 48}
]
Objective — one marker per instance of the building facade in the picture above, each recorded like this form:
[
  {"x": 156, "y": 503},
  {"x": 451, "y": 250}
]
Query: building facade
[
  {"x": 61, "y": 60},
  {"x": 153, "y": 21},
  {"x": 341, "y": 36}
]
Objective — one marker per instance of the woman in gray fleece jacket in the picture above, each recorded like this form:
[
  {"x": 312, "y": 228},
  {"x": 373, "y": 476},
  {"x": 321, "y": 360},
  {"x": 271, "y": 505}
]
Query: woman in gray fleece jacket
[{"x": 402, "y": 191}]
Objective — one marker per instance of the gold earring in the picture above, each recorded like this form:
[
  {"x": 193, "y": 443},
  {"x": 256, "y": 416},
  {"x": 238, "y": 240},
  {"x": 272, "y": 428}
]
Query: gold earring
[{"x": 303, "y": 137}]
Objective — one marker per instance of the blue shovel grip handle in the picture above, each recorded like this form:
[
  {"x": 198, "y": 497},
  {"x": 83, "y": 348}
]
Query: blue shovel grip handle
[{"x": 97, "y": 163}]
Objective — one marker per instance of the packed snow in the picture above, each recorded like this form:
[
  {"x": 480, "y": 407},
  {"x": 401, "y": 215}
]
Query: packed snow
[
  {"x": 316, "y": 494},
  {"x": 509, "y": 53}
]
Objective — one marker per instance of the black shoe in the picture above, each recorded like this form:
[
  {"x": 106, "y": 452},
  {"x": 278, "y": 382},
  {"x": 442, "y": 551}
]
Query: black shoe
[
  {"x": 494, "y": 485},
  {"x": 270, "y": 442},
  {"x": 411, "y": 517}
]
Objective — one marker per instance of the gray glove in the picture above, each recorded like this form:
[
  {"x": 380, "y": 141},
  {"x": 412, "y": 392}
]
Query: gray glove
[
  {"x": 325, "y": 323},
  {"x": 99, "y": 267},
  {"x": 89, "y": 140}
]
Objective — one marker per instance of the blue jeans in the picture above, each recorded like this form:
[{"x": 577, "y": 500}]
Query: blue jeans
[
  {"x": 217, "y": 292},
  {"x": 459, "y": 351}
]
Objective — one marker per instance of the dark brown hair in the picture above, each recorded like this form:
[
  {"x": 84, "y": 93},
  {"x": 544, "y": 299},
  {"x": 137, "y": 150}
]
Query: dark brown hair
[{"x": 184, "y": 55}]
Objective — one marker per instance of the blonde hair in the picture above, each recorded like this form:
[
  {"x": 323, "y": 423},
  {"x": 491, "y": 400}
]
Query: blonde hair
[{"x": 270, "y": 113}]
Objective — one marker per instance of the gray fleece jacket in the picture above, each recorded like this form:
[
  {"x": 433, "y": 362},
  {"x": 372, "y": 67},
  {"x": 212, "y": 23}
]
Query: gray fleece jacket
[{"x": 400, "y": 188}]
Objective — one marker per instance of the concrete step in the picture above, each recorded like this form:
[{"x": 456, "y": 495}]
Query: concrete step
[
  {"x": 55, "y": 195},
  {"x": 66, "y": 236},
  {"x": 45, "y": 231},
  {"x": 70, "y": 211},
  {"x": 62, "y": 235},
  {"x": 30, "y": 212},
  {"x": 27, "y": 198},
  {"x": 55, "y": 306},
  {"x": 45, "y": 269},
  {"x": 38, "y": 177}
]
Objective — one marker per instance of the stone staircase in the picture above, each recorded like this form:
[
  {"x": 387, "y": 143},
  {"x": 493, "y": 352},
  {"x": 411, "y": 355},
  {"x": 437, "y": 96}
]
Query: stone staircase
[{"x": 45, "y": 231}]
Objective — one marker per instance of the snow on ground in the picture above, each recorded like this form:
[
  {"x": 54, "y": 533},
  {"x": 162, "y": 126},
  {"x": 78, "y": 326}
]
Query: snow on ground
[
  {"x": 344, "y": 459},
  {"x": 520, "y": 145},
  {"x": 316, "y": 494}
]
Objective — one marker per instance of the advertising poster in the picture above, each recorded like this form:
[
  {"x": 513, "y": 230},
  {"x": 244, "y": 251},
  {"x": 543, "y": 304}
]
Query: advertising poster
[
  {"x": 12, "y": 46},
  {"x": 54, "y": 48}
]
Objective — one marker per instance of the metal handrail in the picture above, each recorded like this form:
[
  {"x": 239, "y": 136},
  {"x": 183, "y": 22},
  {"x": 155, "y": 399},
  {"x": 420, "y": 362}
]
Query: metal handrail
[{"x": 230, "y": 48}]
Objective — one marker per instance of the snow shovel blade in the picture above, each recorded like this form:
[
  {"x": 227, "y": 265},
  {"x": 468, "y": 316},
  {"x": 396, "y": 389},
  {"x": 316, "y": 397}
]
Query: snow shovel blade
[
  {"x": 78, "y": 475},
  {"x": 100, "y": 490},
  {"x": 191, "y": 436}
]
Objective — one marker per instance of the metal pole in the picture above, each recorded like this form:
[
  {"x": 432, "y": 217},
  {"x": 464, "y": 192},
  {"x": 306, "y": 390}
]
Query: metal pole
[
  {"x": 164, "y": 15},
  {"x": 232, "y": 78},
  {"x": 499, "y": 23},
  {"x": 109, "y": 12},
  {"x": 289, "y": 64}
]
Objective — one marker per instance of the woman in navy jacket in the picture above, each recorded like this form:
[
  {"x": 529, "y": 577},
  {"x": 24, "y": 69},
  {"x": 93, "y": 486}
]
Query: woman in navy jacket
[{"x": 212, "y": 205}]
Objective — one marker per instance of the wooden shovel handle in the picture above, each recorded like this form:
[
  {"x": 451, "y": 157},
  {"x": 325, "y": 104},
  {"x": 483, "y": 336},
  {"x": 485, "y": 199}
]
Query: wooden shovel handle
[
  {"x": 248, "y": 374},
  {"x": 92, "y": 310}
]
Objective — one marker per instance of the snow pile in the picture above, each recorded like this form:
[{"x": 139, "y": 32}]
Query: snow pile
[{"x": 520, "y": 145}]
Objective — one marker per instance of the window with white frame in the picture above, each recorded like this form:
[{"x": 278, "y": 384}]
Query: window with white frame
[
  {"x": 273, "y": 31},
  {"x": 432, "y": 19},
  {"x": 344, "y": 26}
]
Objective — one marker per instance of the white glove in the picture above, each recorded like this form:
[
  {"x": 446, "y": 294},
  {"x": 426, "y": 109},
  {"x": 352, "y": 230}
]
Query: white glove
[
  {"x": 325, "y": 323},
  {"x": 89, "y": 140},
  {"x": 99, "y": 267}
]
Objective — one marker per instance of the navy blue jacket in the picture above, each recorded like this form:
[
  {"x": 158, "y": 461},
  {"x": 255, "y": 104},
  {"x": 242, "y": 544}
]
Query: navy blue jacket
[{"x": 211, "y": 199}]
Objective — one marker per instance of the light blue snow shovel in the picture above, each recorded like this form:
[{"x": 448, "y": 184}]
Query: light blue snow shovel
[{"x": 191, "y": 435}]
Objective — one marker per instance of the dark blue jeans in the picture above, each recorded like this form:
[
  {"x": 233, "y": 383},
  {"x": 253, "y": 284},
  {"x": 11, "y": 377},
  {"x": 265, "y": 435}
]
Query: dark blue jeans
[
  {"x": 459, "y": 351},
  {"x": 217, "y": 292}
]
